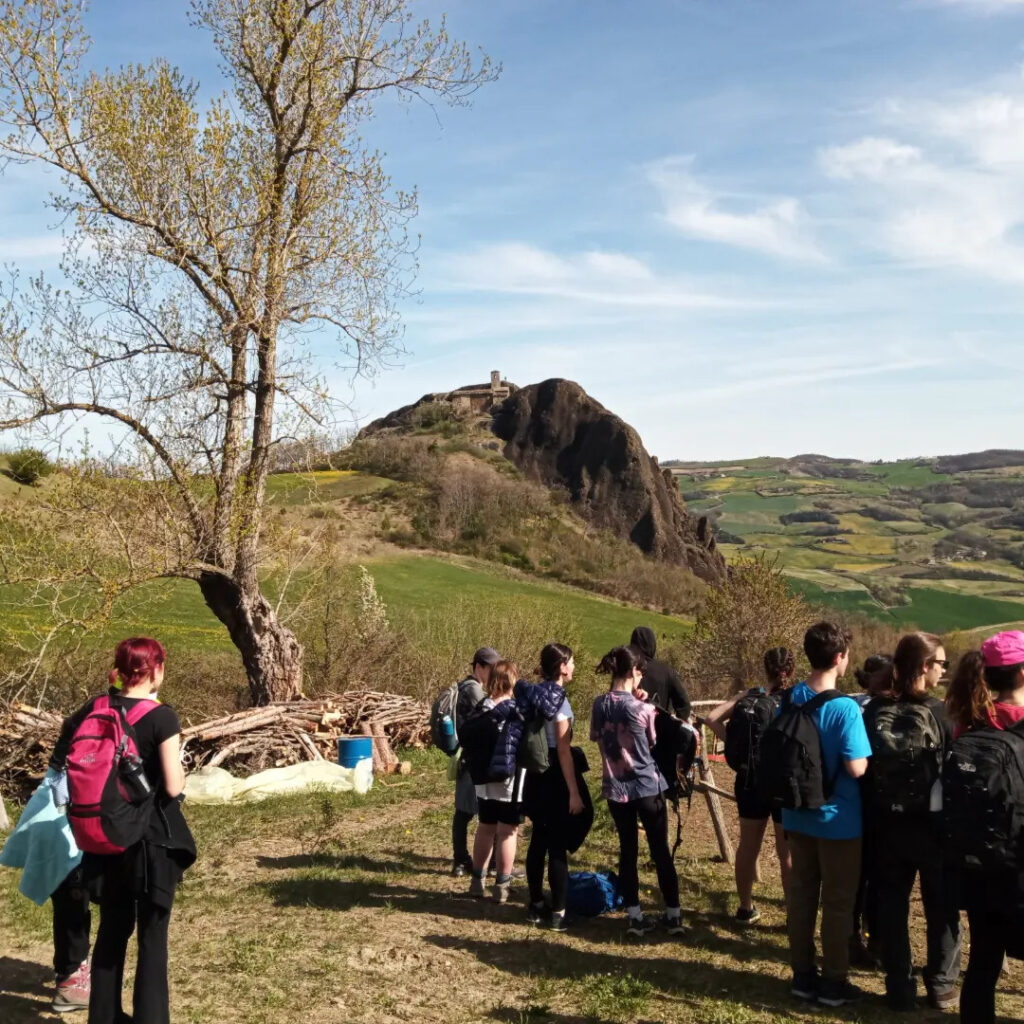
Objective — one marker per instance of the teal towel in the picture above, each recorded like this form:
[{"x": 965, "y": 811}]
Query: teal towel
[{"x": 42, "y": 844}]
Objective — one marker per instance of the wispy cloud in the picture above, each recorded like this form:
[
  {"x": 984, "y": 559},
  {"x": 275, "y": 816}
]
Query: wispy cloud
[
  {"x": 954, "y": 195},
  {"x": 778, "y": 226},
  {"x": 594, "y": 278}
]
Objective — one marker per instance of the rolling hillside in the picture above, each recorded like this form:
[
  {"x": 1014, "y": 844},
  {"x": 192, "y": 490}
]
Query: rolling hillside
[{"x": 934, "y": 542}]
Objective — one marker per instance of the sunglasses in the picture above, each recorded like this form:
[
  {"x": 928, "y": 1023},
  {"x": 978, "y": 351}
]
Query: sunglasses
[{"x": 942, "y": 662}]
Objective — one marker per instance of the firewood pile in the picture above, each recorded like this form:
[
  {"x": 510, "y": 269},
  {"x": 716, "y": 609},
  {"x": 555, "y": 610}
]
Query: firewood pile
[
  {"x": 245, "y": 742},
  {"x": 308, "y": 730},
  {"x": 27, "y": 738}
]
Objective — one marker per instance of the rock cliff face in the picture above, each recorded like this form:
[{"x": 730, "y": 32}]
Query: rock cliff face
[{"x": 559, "y": 436}]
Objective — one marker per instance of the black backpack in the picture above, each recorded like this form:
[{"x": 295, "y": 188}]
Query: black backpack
[
  {"x": 983, "y": 801},
  {"x": 790, "y": 769},
  {"x": 478, "y": 736},
  {"x": 906, "y": 756},
  {"x": 751, "y": 715},
  {"x": 675, "y": 748}
]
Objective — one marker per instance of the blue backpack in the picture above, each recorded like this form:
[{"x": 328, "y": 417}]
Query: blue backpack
[{"x": 592, "y": 893}]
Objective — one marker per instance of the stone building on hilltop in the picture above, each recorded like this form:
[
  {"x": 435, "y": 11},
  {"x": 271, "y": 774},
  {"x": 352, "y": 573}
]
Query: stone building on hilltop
[{"x": 478, "y": 398}]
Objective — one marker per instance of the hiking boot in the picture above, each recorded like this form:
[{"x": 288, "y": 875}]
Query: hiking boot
[
  {"x": 476, "y": 887},
  {"x": 805, "y": 985},
  {"x": 640, "y": 925},
  {"x": 73, "y": 992},
  {"x": 673, "y": 924},
  {"x": 500, "y": 892},
  {"x": 838, "y": 993},
  {"x": 944, "y": 998},
  {"x": 492, "y": 872},
  {"x": 558, "y": 922},
  {"x": 747, "y": 916},
  {"x": 536, "y": 913}
]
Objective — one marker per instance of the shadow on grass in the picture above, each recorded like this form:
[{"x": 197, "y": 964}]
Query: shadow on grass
[
  {"x": 670, "y": 975},
  {"x": 19, "y": 980},
  {"x": 402, "y": 863},
  {"x": 328, "y": 893},
  {"x": 541, "y": 1015}
]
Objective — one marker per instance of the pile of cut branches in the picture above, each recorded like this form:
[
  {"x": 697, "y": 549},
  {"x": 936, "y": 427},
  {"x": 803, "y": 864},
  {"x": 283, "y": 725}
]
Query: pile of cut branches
[
  {"x": 245, "y": 742},
  {"x": 308, "y": 730},
  {"x": 27, "y": 738}
]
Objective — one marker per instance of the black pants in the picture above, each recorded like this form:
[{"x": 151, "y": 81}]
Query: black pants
[
  {"x": 865, "y": 910},
  {"x": 991, "y": 934},
  {"x": 652, "y": 813},
  {"x": 119, "y": 913},
  {"x": 903, "y": 849},
  {"x": 548, "y": 841},
  {"x": 71, "y": 922},
  {"x": 460, "y": 837}
]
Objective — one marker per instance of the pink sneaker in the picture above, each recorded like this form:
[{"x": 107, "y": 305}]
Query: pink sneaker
[{"x": 73, "y": 991}]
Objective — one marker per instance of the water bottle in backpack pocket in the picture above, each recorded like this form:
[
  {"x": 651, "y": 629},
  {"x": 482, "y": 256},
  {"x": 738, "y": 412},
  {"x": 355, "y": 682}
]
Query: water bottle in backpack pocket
[
  {"x": 443, "y": 731},
  {"x": 110, "y": 805}
]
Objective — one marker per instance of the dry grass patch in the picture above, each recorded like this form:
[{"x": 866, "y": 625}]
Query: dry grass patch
[{"x": 341, "y": 909}]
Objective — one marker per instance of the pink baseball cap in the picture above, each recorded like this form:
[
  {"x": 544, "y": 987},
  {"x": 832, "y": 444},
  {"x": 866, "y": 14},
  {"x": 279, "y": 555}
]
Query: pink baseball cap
[{"x": 1004, "y": 649}]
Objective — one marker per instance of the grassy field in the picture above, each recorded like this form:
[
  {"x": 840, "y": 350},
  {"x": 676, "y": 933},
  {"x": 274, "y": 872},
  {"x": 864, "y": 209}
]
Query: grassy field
[
  {"x": 908, "y": 566},
  {"x": 340, "y": 909},
  {"x": 412, "y": 586}
]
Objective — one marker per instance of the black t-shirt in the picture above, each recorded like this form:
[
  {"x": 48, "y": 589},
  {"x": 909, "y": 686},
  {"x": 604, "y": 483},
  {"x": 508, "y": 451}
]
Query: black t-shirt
[{"x": 155, "y": 726}]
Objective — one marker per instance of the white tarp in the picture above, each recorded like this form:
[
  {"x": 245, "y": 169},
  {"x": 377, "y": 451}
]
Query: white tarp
[{"x": 217, "y": 786}]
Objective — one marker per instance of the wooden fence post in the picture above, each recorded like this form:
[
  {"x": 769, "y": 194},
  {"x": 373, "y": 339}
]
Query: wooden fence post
[{"x": 711, "y": 792}]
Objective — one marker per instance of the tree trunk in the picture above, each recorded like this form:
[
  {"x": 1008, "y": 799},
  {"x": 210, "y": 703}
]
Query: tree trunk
[{"x": 270, "y": 652}]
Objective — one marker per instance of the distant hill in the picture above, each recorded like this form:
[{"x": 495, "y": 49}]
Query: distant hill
[{"x": 938, "y": 542}]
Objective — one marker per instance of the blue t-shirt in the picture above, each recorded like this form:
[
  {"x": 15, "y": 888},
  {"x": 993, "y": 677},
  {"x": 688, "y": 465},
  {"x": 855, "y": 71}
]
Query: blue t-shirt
[{"x": 843, "y": 738}]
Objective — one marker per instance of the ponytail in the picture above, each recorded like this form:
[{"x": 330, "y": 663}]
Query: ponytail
[{"x": 620, "y": 661}]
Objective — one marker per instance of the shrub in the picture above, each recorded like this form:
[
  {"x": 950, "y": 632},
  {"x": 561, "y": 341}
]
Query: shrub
[
  {"x": 29, "y": 465},
  {"x": 752, "y": 611}
]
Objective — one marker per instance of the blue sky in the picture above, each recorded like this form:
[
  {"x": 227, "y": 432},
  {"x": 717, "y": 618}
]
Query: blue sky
[{"x": 747, "y": 227}]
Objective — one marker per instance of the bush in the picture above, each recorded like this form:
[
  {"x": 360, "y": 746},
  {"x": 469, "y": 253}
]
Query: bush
[
  {"x": 752, "y": 611},
  {"x": 29, "y": 465}
]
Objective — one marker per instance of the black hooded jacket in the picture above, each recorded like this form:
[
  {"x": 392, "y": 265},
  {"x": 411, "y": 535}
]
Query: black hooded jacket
[{"x": 664, "y": 688}]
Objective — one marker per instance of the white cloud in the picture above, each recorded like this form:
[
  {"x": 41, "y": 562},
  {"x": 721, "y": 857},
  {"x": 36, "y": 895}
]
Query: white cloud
[
  {"x": 779, "y": 227},
  {"x": 592, "y": 278},
  {"x": 983, "y": 6},
  {"x": 954, "y": 196},
  {"x": 870, "y": 157}
]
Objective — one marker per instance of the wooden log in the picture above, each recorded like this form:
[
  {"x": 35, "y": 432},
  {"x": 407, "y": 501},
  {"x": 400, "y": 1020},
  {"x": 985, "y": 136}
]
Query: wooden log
[
  {"x": 706, "y": 787},
  {"x": 711, "y": 792},
  {"x": 380, "y": 742},
  {"x": 5, "y": 822},
  {"x": 309, "y": 745}
]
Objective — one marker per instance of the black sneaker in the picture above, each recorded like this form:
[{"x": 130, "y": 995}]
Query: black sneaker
[
  {"x": 640, "y": 925},
  {"x": 673, "y": 924},
  {"x": 838, "y": 993},
  {"x": 805, "y": 985},
  {"x": 558, "y": 922},
  {"x": 536, "y": 913},
  {"x": 747, "y": 916}
]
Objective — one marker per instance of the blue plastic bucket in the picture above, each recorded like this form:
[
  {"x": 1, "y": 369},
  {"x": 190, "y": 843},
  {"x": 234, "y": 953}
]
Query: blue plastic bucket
[{"x": 353, "y": 749}]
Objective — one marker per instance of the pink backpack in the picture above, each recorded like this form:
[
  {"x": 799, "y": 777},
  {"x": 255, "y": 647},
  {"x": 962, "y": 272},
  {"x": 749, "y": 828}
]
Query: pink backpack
[{"x": 110, "y": 801}]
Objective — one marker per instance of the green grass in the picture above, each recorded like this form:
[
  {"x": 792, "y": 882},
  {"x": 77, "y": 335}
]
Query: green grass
[
  {"x": 416, "y": 585},
  {"x": 940, "y": 611}
]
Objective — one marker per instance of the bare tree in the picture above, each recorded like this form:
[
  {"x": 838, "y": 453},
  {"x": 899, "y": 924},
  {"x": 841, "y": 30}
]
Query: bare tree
[{"x": 204, "y": 248}]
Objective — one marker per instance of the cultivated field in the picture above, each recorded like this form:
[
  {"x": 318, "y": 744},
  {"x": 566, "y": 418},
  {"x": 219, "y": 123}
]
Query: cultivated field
[{"x": 937, "y": 543}]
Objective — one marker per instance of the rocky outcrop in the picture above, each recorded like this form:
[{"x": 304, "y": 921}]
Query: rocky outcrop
[{"x": 559, "y": 436}]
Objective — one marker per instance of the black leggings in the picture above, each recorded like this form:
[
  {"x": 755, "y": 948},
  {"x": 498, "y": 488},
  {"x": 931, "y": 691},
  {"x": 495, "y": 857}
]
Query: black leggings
[
  {"x": 71, "y": 921},
  {"x": 991, "y": 933},
  {"x": 653, "y": 815},
  {"x": 548, "y": 841},
  {"x": 118, "y": 914}
]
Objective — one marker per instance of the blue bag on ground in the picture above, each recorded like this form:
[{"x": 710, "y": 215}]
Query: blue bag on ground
[{"x": 592, "y": 893}]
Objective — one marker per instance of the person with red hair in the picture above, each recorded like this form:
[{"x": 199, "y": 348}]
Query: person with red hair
[{"x": 136, "y": 888}]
